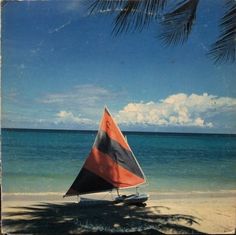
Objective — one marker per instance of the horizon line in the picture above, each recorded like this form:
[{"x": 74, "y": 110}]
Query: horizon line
[{"x": 125, "y": 131}]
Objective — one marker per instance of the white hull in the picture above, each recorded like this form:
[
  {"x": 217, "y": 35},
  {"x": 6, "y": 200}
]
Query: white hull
[{"x": 132, "y": 199}]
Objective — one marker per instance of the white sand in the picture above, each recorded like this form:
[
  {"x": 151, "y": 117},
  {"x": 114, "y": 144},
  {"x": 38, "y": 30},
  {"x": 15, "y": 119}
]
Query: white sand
[{"x": 213, "y": 213}]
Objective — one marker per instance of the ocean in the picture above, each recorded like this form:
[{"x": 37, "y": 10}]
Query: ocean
[{"x": 43, "y": 161}]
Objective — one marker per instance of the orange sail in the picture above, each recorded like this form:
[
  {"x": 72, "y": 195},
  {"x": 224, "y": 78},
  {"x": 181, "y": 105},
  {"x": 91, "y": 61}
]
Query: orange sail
[{"x": 110, "y": 164}]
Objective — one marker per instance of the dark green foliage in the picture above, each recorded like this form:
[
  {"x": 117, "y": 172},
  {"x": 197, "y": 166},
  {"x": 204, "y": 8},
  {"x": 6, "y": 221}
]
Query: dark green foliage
[
  {"x": 224, "y": 49},
  {"x": 176, "y": 21}
]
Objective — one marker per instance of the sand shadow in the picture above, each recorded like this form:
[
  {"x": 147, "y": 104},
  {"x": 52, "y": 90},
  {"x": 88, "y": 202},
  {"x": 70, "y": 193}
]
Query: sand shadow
[{"x": 90, "y": 218}]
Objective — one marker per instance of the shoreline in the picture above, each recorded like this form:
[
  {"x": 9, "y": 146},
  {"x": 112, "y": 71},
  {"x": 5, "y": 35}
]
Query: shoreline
[
  {"x": 191, "y": 212},
  {"x": 153, "y": 194}
]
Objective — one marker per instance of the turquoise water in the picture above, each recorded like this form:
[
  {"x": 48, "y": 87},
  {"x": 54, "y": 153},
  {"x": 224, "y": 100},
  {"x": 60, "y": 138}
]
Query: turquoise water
[{"x": 48, "y": 161}]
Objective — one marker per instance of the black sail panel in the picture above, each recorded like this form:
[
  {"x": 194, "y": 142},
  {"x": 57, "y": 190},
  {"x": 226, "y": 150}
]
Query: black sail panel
[
  {"x": 88, "y": 182},
  {"x": 119, "y": 154}
]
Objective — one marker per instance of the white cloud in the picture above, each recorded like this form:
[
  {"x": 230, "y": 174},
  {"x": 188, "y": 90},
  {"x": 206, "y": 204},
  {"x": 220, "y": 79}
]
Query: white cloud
[
  {"x": 69, "y": 117},
  {"x": 176, "y": 110},
  {"x": 87, "y": 99},
  {"x": 82, "y": 94}
]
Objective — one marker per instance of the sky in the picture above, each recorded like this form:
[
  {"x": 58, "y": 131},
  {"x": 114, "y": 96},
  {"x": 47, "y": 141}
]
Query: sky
[{"x": 61, "y": 66}]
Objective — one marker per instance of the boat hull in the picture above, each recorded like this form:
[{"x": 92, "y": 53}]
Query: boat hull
[{"x": 132, "y": 199}]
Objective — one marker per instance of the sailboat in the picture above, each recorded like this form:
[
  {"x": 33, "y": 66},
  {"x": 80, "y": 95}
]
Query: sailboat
[{"x": 110, "y": 165}]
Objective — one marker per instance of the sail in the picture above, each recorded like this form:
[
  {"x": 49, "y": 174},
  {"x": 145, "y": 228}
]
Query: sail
[{"x": 110, "y": 164}]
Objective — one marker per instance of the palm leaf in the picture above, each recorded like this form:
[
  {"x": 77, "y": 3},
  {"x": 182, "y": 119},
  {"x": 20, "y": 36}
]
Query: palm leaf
[
  {"x": 106, "y": 5},
  {"x": 177, "y": 24},
  {"x": 224, "y": 49},
  {"x": 133, "y": 14},
  {"x": 137, "y": 14},
  {"x": 125, "y": 19}
]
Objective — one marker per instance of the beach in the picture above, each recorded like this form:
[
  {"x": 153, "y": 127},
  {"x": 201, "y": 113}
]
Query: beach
[{"x": 171, "y": 213}]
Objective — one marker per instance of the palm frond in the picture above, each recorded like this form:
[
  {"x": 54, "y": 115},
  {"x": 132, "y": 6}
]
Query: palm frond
[
  {"x": 137, "y": 14},
  {"x": 133, "y": 14},
  {"x": 125, "y": 19},
  {"x": 109, "y": 6},
  {"x": 177, "y": 24},
  {"x": 224, "y": 49}
]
